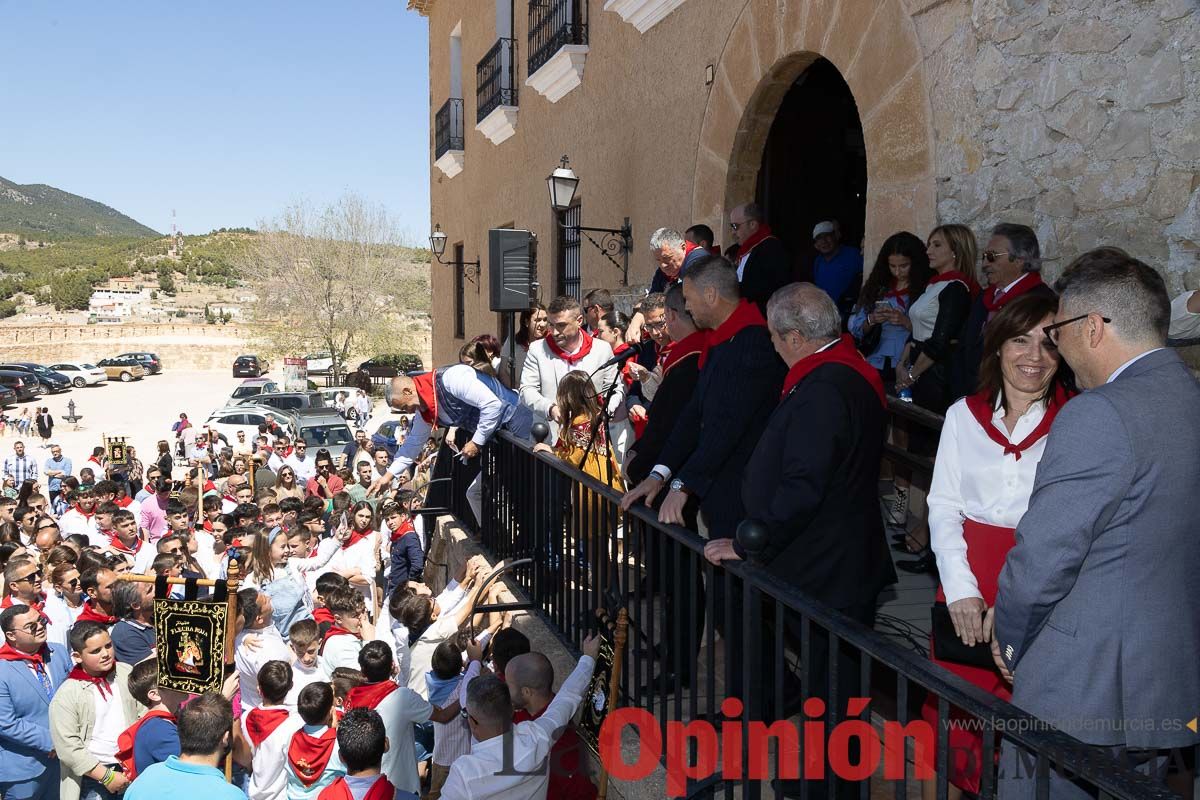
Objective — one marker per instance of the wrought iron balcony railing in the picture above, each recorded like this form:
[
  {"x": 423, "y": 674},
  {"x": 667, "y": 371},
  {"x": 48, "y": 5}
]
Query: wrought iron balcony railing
[
  {"x": 448, "y": 127},
  {"x": 553, "y": 24},
  {"x": 496, "y": 78}
]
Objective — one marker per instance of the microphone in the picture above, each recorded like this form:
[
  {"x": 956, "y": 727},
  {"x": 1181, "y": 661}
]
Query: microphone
[{"x": 633, "y": 351}]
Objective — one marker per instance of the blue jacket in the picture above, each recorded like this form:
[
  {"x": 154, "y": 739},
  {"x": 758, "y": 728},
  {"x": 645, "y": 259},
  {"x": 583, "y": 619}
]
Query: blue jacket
[
  {"x": 407, "y": 561},
  {"x": 25, "y": 716}
]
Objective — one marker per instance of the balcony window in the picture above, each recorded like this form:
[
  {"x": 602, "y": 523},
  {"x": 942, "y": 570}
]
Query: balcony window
[
  {"x": 558, "y": 46},
  {"x": 449, "y": 137},
  {"x": 496, "y": 91}
]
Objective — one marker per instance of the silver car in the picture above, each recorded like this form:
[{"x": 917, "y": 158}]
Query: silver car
[{"x": 323, "y": 429}]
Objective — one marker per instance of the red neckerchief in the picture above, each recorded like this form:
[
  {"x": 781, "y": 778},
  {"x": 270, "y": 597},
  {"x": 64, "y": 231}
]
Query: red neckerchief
[
  {"x": 1022, "y": 286},
  {"x": 355, "y": 538},
  {"x": 9, "y": 602},
  {"x": 322, "y": 614},
  {"x": 405, "y": 528},
  {"x": 901, "y": 295},
  {"x": 283, "y": 452},
  {"x": 262, "y": 722},
  {"x": 844, "y": 352},
  {"x": 124, "y": 502},
  {"x": 336, "y": 630},
  {"x": 584, "y": 348},
  {"x": 99, "y": 681},
  {"x": 208, "y": 526},
  {"x": 626, "y": 375},
  {"x": 125, "y": 742},
  {"x": 308, "y": 755},
  {"x": 89, "y": 614},
  {"x": 370, "y": 695},
  {"x": 745, "y": 315},
  {"x": 86, "y": 514},
  {"x": 10, "y": 653},
  {"x": 692, "y": 344},
  {"x": 760, "y": 235},
  {"x": 981, "y": 408},
  {"x": 381, "y": 789},
  {"x": 115, "y": 544},
  {"x": 427, "y": 397},
  {"x": 955, "y": 275}
]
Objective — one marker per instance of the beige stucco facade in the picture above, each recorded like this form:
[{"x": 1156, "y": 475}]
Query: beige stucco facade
[{"x": 1078, "y": 117}]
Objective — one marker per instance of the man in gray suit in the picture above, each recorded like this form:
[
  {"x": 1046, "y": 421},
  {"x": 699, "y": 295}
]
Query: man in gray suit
[{"x": 1095, "y": 620}]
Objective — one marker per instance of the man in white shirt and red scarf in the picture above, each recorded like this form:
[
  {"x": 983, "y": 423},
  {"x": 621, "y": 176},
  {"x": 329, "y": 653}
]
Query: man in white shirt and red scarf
[
  {"x": 762, "y": 261},
  {"x": 458, "y": 396}
]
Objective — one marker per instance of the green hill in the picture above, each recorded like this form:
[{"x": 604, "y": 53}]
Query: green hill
[{"x": 37, "y": 211}]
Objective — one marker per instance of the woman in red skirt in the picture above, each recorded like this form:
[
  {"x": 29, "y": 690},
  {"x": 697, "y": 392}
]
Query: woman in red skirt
[{"x": 988, "y": 453}]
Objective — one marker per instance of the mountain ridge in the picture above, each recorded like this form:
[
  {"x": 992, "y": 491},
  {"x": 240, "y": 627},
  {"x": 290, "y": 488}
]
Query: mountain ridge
[{"x": 40, "y": 211}]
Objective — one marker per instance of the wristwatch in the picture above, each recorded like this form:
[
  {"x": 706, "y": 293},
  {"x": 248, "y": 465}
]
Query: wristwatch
[{"x": 677, "y": 486}]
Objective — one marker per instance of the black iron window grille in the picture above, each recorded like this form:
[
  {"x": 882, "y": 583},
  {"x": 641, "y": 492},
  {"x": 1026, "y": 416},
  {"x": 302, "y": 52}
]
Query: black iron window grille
[
  {"x": 570, "y": 280},
  {"x": 496, "y": 78},
  {"x": 553, "y": 24},
  {"x": 448, "y": 127}
]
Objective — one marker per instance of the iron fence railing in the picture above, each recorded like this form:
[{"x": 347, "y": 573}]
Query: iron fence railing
[
  {"x": 701, "y": 634},
  {"x": 448, "y": 127},
  {"x": 552, "y": 24},
  {"x": 496, "y": 78}
]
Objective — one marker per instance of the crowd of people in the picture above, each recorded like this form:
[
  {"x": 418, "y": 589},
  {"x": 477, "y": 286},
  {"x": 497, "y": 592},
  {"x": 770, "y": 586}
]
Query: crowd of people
[{"x": 353, "y": 678}]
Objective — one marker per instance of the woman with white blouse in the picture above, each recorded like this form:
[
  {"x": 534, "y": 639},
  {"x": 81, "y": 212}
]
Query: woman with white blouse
[
  {"x": 356, "y": 557},
  {"x": 990, "y": 447}
]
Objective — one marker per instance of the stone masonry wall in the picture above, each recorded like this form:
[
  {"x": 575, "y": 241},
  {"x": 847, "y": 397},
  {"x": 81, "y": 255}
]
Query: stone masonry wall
[{"x": 1078, "y": 117}]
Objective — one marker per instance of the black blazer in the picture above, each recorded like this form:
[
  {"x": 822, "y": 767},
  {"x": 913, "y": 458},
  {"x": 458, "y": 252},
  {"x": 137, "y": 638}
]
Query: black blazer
[
  {"x": 673, "y": 394},
  {"x": 768, "y": 268},
  {"x": 964, "y": 371},
  {"x": 813, "y": 481},
  {"x": 718, "y": 428}
]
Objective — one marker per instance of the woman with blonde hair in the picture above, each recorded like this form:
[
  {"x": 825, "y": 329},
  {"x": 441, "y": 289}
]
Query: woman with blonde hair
[{"x": 287, "y": 485}]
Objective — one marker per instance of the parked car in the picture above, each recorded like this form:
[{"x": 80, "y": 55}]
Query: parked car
[
  {"x": 385, "y": 435},
  {"x": 252, "y": 387},
  {"x": 391, "y": 365},
  {"x": 322, "y": 428},
  {"x": 286, "y": 401},
  {"x": 122, "y": 369},
  {"x": 81, "y": 373},
  {"x": 149, "y": 361},
  {"x": 231, "y": 419},
  {"x": 50, "y": 380},
  {"x": 330, "y": 394},
  {"x": 7, "y": 396},
  {"x": 20, "y": 382},
  {"x": 250, "y": 367},
  {"x": 319, "y": 364}
]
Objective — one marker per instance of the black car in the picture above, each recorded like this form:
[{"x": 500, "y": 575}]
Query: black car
[
  {"x": 7, "y": 396},
  {"x": 149, "y": 361},
  {"x": 250, "y": 367},
  {"x": 286, "y": 401},
  {"x": 50, "y": 380},
  {"x": 21, "y": 383},
  {"x": 391, "y": 365}
]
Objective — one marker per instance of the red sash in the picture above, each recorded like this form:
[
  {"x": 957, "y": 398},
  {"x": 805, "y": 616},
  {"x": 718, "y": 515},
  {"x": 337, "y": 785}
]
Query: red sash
[
  {"x": 101, "y": 682},
  {"x": 981, "y": 408},
  {"x": 427, "y": 395},
  {"x": 262, "y": 722},
  {"x": 843, "y": 352},
  {"x": 382, "y": 789},
  {"x": 955, "y": 275},
  {"x": 1025, "y": 283},
  {"x": 89, "y": 614},
  {"x": 746, "y": 315},
  {"x": 763, "y": 233},
  {"x": 309, "y": 755},
  {"x": 692, "y": 344},
  {"x": 584, "y": 349},
  {"x": 322, "y": 614},
  {"x": 336, "y": 630},
  {"x": 901, "y": 295},
  {"x": 371, "y": 695},
  {"x": 128, "y": 738},
  {"x": 10, "y": 653},
  {"x": 406, "y": 528}
]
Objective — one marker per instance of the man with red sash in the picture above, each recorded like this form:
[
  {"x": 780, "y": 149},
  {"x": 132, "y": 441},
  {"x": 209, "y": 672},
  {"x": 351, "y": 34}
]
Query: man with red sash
[
  {"x": 812, "y": 483},
  {"x": 1012, "y": 265},
  {"x": 674, "y": 254},
  {"x": 97, "y": 585},
  {"x": 31, "y": 670},
  {"x": 362, "y": 742},
  {"x": 762, "y": 260}
]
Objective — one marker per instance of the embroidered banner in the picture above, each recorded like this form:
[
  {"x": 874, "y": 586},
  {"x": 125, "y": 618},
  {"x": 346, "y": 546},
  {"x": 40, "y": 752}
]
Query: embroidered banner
[{"x": 191, "y": 644}]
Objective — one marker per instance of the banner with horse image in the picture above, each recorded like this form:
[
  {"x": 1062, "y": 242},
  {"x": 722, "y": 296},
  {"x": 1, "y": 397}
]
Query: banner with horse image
[{"x": 191, "y": 644}]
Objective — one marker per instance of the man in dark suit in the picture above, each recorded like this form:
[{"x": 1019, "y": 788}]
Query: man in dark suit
[
  {"x": 812, "y": 483},
  {"x": 1012, "y": 264},
  {"x": 763, "y": 263},
  {"x": 738, "y": 386},
  {"x": 1095, "y": 620},
  {"x": 30, "y": 672}
]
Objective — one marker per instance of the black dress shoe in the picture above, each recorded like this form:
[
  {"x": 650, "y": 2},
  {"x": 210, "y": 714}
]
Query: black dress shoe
[{"x": 924, "y": 564}]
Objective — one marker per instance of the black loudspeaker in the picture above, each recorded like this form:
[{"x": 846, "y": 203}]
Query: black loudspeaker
[{"x": 512, "y": 269}]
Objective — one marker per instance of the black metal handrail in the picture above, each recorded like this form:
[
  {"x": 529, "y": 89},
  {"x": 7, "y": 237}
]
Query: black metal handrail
[
  {"x": 587, "y": 554},
  {"x": 496, "y": 78},
  {"x": 448, "y": 127},
  {"x": 553, "y": 24}
]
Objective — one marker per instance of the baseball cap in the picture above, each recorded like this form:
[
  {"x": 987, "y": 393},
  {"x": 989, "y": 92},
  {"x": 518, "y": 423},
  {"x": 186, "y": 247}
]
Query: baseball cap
[{"x": 822, "y": 228}]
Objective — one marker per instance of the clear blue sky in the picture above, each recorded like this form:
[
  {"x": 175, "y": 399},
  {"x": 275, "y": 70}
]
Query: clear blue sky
[{"x": 225, "y": 111}]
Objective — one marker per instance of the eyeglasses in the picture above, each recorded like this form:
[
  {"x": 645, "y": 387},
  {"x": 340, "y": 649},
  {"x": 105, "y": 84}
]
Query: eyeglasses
[
  {"x": 34, "y": 627},
  {"x": 735, "y": 225},
  {"x": 990, "y": 256},
  {"x": 31, "y": 577},
  {"x": 655, "y": 326},
  {"x": 1051, "y": 331},
  {"x": 50, "y": 527},
  {"x": 73, "y": 583}
]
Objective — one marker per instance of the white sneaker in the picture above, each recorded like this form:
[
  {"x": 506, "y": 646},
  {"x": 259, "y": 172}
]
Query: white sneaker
[{"x": 897, "y": 511}]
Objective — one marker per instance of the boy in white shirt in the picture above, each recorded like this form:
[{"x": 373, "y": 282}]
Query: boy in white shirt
[
  {"x": 305, "y": 640},
  {"x": 267, "y": 731},
  {"x": 344, "y": 639}
]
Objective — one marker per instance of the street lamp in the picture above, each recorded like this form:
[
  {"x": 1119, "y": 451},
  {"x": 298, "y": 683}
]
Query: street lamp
[
  {"x": 562, "y": 184},
  {"x": 437, "y": 243}
]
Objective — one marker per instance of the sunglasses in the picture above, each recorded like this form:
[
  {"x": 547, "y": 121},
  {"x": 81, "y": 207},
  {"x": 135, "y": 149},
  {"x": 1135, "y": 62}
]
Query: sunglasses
[
  {"x": 34, "y": 627},
  {"x": 31, "y": 577},
  {"x": 990, "y": 256},
  {"x": 47, "y": 527}
]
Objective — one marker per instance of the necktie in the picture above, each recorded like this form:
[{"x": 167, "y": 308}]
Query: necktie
[
  {"x": 995, "y": 299},
  {"x": 44, "y": 679}
]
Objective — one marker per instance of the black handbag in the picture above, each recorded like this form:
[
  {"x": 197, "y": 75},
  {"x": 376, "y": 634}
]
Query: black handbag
[
  {"x": 869, "y": 342},
  {"x": 948, "y": 647}
]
